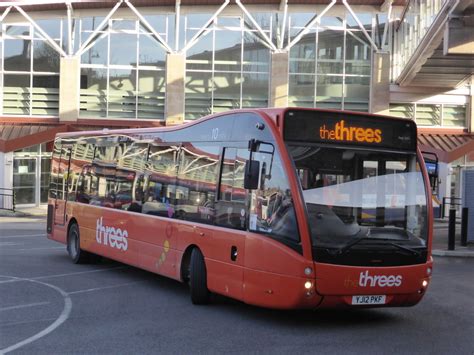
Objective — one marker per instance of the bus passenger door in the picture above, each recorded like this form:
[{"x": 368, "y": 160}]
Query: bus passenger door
[
  {"x": 197, "y": 186},
  {"x": 62, "y": 188},
  {"x": 228, "y": 240}
]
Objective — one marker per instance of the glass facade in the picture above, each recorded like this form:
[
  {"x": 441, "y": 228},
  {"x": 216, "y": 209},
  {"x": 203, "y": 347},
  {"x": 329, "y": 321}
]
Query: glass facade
[
  {"x": 228, "y": 68},
  {"x": 29, "y": 69},
  {"x": 31, "y": 172},
  {"x": 123, "y": 71},
  {"x": 330, "y": 66}
]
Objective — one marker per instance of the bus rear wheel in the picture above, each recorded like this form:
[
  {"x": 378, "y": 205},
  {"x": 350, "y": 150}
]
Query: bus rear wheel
[
  {"x": 77, "y": 255},
  {"x": 198, "y": 278}
]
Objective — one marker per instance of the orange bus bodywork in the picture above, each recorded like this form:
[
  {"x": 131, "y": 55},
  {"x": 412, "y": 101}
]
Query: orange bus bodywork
[{"x": 266, "y": 272}]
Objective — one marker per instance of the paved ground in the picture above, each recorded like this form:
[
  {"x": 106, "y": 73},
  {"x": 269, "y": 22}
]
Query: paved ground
[{"x": 50, "y": 306}]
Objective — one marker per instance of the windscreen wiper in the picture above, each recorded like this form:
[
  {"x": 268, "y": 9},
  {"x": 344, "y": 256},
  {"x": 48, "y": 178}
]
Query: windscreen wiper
[
  {"x": 413, "y": 251},
  {"x": 385, "y": 241},
  {"x": 349, "y": 245}
]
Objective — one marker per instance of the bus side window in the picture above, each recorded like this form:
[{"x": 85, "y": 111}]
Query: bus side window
[
  {"x": 129, "y": 176},
  {"x": 54, "y": 178},
  {"x": 231, "y": 208},
  {"x": 59, "y": 172},
  {"x": 103, "y": 176},
  {"x": 159, "y": 185},
  {"x": 81, "y": 164},
  {"x": 197, "y": 182},
  {"x": 74, "y": 173},
  {"x": 63, "y": 172},
  {"x": 272, "y": 211}
]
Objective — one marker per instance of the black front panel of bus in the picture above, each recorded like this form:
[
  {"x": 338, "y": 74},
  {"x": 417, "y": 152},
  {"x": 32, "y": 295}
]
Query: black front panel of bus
[
  {"x": 381, "y": 257},
  {"x": 312, "y": 126}
]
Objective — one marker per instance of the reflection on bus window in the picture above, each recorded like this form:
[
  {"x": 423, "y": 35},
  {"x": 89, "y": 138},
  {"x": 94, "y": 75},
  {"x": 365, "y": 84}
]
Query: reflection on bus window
[
  {"x": 129, "y": 177},
  {"x": 231, "y": 208},
  {"x": 197, "y": 182},
  {"x": 160, "y": 181},
  {"x": 354, "y": 194},
  {"x": 272, "y": 211}
]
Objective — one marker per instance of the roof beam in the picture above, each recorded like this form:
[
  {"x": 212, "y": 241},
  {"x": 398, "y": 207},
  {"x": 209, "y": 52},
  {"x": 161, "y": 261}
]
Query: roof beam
[
  {"x": 309, "y": 26},
  {"x": 284, "y": 8},
  {"x": 43, "y": 34},
  {"x": 204, "y": 28},
  {"x": 387, "y": 23},
  {"x": 149, "y": 27},
  {"x": 374, "y": 46},
  {"x": 93, "y": 35},
  {"x": 386, "y": 5},
  {"x": 5, "y": 13},
  {"x": 177, "y": 24},
  {"x": 256, "y": 25},
  {"x": 70, "y": 29}
]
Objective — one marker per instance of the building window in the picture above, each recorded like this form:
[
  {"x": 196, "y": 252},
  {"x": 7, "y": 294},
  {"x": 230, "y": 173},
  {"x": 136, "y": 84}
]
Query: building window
[
  {"x": 330, "y": 66},
  {"x": 228, "y": 67},
  {"x": 123, "y": 72},
  {"x": 31, "y": 174},
  {"x": 445, "y": 115},
  {"x": 29, "y": 69}
]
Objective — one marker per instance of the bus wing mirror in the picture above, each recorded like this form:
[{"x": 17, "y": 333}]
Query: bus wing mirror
[{"x": 252, "y": 170}]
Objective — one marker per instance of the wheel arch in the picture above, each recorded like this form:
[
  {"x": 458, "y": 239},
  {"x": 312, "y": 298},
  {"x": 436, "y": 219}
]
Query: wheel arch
[
  {"x": 72, "y": 221},
  {"x": 185, "y": 260}
]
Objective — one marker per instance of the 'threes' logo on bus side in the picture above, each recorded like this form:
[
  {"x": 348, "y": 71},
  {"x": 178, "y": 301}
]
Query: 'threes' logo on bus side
[
  {"x": 379, "y": 280},
  {"x": 114, "y": 237}
]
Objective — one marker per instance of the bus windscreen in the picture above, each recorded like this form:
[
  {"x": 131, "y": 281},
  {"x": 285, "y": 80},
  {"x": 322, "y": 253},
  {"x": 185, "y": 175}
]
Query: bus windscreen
[{"x": 349, "y": 129}]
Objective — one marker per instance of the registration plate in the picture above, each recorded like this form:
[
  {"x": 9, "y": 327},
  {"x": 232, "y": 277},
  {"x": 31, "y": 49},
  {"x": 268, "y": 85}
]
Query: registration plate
[{"x": 368, "y": 299}]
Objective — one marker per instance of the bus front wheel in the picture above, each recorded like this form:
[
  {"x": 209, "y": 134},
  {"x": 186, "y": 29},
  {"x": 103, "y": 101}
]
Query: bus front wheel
[
  {"x": 198, "y": 278},
  {"x": 77, "y": 255}
]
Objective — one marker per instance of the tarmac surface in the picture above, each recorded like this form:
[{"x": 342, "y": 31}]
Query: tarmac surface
[{"x": 48, "y": 305}]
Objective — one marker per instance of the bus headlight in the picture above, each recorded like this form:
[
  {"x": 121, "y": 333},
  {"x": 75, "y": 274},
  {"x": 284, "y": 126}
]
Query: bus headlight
[
  {"x": 428, "y": 271},
  {"x": 308, "y": 285},
  {"x": 424, "y": 283}
]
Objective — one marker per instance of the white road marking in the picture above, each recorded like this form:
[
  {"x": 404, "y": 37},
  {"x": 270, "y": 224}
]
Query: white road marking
[
  {"x": 61, "y": 275},
  {"x": 105, "y": 288},
  {"x": 24, "y": 306},
  {"x": 60, "y": 320},
  {"x": 22, "y": 236},
  {"x": 80, "y": 273},
  {"x": 4, "y": 244},
  {"x": 28, "y": 249},
  {"x": 27, "y": 322},
  {"x": 67, "y": 304}
]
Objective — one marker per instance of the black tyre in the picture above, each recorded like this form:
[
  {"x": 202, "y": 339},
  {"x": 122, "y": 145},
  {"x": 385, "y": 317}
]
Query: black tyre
[
  {"x": 198, "y": 278},
  {"x": 77, "y": 255}
]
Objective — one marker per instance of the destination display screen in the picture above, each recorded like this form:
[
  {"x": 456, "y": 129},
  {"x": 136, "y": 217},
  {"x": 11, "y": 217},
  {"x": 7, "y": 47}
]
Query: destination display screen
[{"x": 345, "y": 128}]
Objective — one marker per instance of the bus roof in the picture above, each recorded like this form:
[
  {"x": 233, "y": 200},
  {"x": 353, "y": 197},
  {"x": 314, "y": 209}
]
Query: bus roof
[{"x": 273, "y": 113}]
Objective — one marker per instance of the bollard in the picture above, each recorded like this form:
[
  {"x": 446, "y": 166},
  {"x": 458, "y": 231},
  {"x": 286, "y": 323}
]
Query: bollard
[
  {"x": 464, "y": 219},
  {"x": 443, "y": 210},
  {"x": 452, "y": 229}
]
